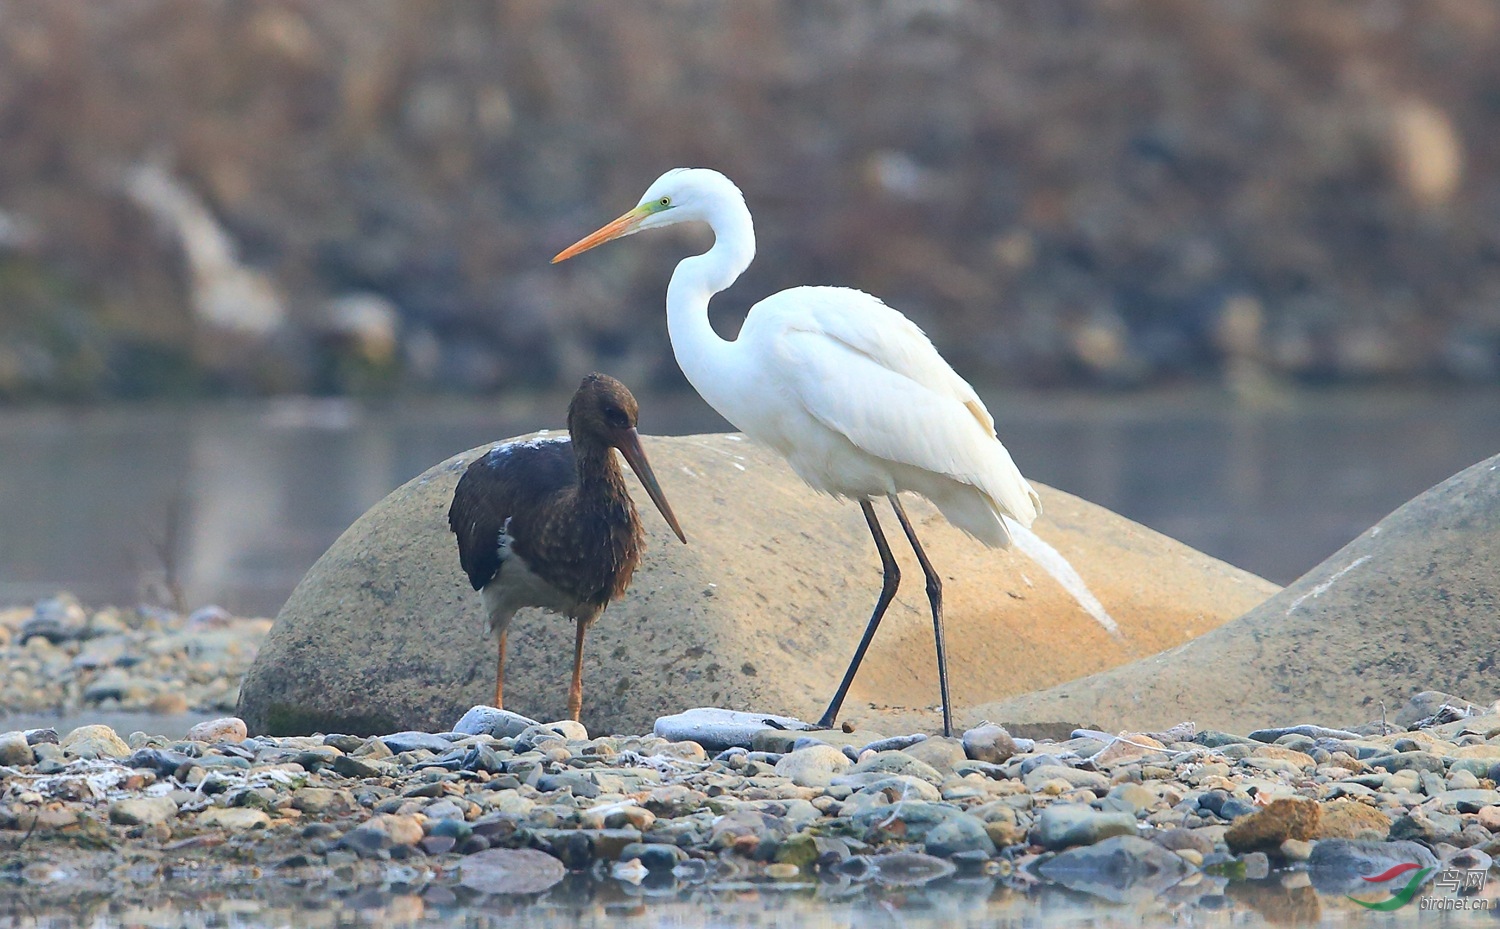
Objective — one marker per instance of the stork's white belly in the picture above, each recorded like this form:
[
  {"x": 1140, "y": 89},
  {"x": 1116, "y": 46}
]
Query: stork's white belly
[{"x": 516, "y": 587}]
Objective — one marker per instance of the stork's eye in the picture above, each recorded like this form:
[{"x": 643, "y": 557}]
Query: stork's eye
[{"x": 616, "y": 418}]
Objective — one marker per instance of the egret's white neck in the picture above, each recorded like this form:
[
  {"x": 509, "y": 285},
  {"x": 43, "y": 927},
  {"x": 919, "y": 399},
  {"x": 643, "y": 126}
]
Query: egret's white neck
[{"x": 710, "y": 363}]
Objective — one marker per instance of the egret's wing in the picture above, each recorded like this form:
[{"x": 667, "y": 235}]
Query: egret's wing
[
  {"x": 881, "y": 408},
  {"x": 888, "y": 338}
]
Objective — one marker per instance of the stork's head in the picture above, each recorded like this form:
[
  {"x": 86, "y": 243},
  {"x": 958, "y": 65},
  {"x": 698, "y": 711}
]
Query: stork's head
[{"x": 603, "y": 413}]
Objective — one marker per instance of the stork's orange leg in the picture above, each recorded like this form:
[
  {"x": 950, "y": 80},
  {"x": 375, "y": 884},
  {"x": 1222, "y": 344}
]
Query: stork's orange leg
[
  {"x": 500, "y": 674},
  {"x": 575, "y": 693}
]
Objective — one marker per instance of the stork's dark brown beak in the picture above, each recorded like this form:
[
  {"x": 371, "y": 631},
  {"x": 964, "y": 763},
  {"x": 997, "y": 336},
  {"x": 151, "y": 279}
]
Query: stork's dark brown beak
[{"x": 629, "y": 445}]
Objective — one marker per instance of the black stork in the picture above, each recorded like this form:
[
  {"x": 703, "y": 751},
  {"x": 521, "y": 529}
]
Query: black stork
[{"x": 547, "y": 522}]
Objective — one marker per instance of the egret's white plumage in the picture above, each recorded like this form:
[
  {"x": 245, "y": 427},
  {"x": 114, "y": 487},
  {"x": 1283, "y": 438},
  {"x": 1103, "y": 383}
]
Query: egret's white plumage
[{"x": 850, "y": 391}]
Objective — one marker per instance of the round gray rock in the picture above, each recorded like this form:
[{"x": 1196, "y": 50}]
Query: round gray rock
[
  {"x": 761, "y": 610},
  {"x": 1408, "y": 606}
]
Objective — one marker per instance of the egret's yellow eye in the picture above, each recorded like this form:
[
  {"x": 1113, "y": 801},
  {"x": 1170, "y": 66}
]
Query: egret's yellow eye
[{"x": 665, "y": 201}]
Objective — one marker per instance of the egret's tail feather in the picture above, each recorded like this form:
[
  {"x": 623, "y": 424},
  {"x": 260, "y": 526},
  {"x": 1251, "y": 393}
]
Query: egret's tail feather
[{"x": 1052, "y": 561}]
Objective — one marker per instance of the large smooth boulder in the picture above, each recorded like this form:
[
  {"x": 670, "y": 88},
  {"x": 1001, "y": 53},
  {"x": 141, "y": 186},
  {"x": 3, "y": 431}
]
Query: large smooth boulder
[
  {"x": 761, "y": 611},
  {"x": 1410, "y": 605}
]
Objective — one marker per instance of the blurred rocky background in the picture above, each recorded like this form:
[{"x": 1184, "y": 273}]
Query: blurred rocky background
[{"x": 361, "y": 196}]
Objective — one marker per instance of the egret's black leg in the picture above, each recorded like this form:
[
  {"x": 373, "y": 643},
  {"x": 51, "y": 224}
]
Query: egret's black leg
[
  {"x": 887, "y": 593},
  {"x": 935, "y": 597}
]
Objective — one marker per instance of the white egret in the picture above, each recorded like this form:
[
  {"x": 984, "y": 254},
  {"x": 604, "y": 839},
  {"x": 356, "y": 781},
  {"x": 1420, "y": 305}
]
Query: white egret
[{"x": 850, "y": 391}]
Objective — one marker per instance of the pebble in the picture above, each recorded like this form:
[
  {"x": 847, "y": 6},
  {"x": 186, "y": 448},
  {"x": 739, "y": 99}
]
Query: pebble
[
  {"x": 94, "y": 742},
  {"x": 140, "y": 811},
  {"x": 897, "y": 762},
  {"x": 318, "y": 800},
  {"x": 989, "y": 743},
  {"x": 1073, "y": 777},
  {"x": 66, "y": 658},
  {"x": 1430, "y": 827},
  {"x": 1064, "y": 824},
  {"x": 1282, "y": 819},
  {"x": 1489, "y": 818},
  {"x": 909, "y": 811},
  {"x": 58, "y": 619},
  {"x": 813, "y": 766},
  {"x": 15, "y": 750},
  {"x": 959, "y": 835},
  {"x": 855, "y": 743},
  {"x": 234, "y": 819},
  {"x": 400, "y": 742},
  {"x": 894, "y": 743},
  {"x": 226, "y": 729},
  {"x": 942, "y": 754}
]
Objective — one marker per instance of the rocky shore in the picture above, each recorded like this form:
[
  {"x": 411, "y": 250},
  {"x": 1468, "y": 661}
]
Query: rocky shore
[
  {"x": 506, "y": 805},
  {"x": 58, "y": 656}
]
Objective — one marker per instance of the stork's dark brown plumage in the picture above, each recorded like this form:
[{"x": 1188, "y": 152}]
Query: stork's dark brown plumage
[{"x": 548, "y": 522}]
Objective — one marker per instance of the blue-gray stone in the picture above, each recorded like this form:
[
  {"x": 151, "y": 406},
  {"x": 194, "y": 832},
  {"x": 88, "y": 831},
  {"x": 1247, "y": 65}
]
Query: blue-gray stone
[
  {"x": 893, "y": 744},
  {"x": 1063, "y": 825},
  {"x": 717, "y": 729},
  {"x": 1212, "y": 738},
  {"x": 456, "y": 829},
  {"x": 1312, "y": 732},
  {"x": 1296, "y": 742},
  {"x": 1408, "y": 761},
  {"x": 163, "y": 763},
  {"x": 46, "y": 736},
  {"x": 1339, "y": 866},
  {"x": 487, "y": 720},
  {"x": 57, "y": 619},
  {"x": 1122, "y": 869},
  {"x": 1036, "y": 761},
  {"x": 399, "y": 742},
  {"x": 579, "y": 783},
  {"x": 1468, "y": 800},
  {"x": 1427, "y": 826},
  {"x": 653, "y": 856},
  {"x": 912, "y": 820},
  {"x": 958, "y": 835}
]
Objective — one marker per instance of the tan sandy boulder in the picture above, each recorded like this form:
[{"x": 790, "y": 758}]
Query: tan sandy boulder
[
  {"x": 1409, "y": 606},
  {"x": 761, "y": 611}
]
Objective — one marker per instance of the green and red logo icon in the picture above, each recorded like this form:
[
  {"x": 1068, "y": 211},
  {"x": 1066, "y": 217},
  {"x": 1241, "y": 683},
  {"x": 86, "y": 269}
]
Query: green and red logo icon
[{"x": 1401, "y": 897}]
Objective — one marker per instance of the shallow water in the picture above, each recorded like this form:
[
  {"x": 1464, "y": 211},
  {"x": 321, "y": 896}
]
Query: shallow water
[
  {"x": 228, "y": 898},
  {"x": 236, "y": 501},
  {"x": 172, "y": 725}
]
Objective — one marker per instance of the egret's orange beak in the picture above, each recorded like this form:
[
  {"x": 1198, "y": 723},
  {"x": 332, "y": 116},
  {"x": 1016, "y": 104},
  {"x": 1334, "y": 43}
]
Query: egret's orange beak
[{"x": 625, "y": 225}]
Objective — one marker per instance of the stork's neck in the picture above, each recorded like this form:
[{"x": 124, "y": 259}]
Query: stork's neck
[
  {"x": 710, "y": 363},
  {"x": 599, "y": 471}
]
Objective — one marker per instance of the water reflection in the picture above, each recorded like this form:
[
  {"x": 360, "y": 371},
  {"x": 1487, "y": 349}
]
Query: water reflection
[
  {"x": 236, "y": 501},
  {"x": 245, "y": 898}
]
